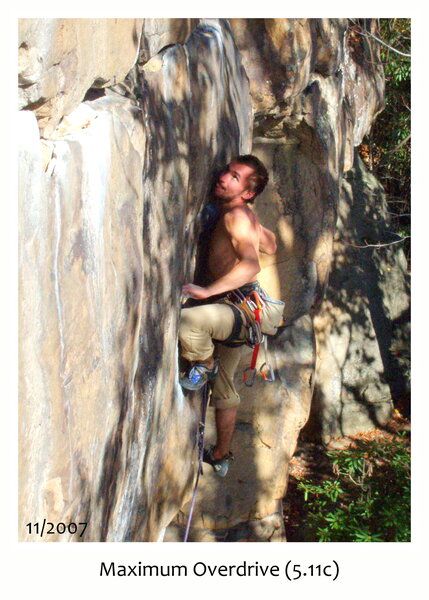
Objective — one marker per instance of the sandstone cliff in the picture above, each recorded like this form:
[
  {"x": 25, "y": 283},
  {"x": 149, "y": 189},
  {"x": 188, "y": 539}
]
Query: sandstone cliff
[{"x": 123, "y": 122}]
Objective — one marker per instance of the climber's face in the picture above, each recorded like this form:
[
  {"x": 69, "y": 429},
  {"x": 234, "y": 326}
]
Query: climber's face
[{"x": 233, "y": 183}]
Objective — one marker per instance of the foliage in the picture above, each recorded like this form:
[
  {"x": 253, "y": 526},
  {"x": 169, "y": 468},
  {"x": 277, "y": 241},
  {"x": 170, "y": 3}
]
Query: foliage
[
  {"x": 386, "y": 150},
  {"x": 368, "y": 499}
]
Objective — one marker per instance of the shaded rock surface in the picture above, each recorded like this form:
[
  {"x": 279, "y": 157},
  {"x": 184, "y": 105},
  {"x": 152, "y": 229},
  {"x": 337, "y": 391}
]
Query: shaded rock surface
[
  {"x": 363, "y": 327},
  {"x": 115, "y": 173}
]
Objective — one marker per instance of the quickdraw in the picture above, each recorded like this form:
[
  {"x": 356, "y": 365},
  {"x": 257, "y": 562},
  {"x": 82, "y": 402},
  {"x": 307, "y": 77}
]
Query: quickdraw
[
  {"x": 266, "y": 366},
  {"x": 250, "y": 373},
  {"x": 251, "y": 307}
]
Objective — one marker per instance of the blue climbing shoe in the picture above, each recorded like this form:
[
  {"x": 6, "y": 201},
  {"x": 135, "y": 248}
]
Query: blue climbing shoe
[
  {"x": 220, "y": 465},
  {"x": 197, "y": 376}
]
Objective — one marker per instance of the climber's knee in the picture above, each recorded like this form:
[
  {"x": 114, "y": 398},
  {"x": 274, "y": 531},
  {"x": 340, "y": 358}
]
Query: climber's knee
[
  {"x": 195, "y": 342},
  {"x": 200, "y": 325},
  {"x": 225, "y": 402}
]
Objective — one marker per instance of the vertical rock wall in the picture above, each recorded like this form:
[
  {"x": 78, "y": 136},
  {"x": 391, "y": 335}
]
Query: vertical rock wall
[
  {"x": 114, "y": 176},
  {"x": 363, "y": 326},
  {"x": 108, "y": 229}
]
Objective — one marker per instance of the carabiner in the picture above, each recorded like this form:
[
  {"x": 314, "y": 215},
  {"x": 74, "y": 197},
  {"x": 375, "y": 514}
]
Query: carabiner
[
  {"x": 270, "y": 377},
  {"x": 245, "y": 375},
  {"x": 257, "y": 299}
]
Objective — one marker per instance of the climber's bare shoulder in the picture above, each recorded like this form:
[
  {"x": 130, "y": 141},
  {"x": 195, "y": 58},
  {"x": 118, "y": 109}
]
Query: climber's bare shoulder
[
  {"x": 242, "y": 228},
  {"x": 236, "y": 237}
]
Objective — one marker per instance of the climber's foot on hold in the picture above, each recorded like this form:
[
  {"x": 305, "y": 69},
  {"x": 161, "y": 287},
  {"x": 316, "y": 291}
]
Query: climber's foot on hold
[
  {"x": 220, "y": 465},
  {"x": 198, "y": 375}
]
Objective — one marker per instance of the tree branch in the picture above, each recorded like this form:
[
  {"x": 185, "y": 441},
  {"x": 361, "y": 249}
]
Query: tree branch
[
  {"x": 377, "y": 245},
  {"x": 404, "y": 141},
  {"x": 369, "y": 34}
]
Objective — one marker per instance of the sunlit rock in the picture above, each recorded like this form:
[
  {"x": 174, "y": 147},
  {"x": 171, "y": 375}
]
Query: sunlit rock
[
  {"x": 60, "y": 59},
  {"x": 160, "y": 33}
]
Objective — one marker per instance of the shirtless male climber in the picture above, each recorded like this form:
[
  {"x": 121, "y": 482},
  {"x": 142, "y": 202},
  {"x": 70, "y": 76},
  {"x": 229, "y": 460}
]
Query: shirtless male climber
[{"x": 233, "y": 263}]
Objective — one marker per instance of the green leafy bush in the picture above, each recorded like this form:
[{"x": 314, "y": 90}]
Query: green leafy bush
[
  {"x": 367, "y": 499},
  {"x": 386, "y": 149}
]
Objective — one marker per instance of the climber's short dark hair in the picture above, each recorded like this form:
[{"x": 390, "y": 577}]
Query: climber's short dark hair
[{"x": 259, "y": 179}]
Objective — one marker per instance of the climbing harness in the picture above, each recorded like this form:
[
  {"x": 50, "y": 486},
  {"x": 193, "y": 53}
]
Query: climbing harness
[
  {"x": 201, "y": 430},
  {"x": 249, "y": 306}
]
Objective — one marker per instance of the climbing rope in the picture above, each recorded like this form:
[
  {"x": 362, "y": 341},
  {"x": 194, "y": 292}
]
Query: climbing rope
[{"x": 202, "y": 426}]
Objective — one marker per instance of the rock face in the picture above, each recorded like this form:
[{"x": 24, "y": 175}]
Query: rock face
[
  {"x": 107, "y": 233},
  {"x": 81, "y": 252},
  {"x": 60, "y": 59},
  {"x": 115, "y": 172},
  {"x": 363, "y": 325}
]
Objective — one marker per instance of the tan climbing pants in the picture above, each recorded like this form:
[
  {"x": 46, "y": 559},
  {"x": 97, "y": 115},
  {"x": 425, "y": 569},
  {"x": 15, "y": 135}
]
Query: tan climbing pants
[{"x": 202, "y": 327}]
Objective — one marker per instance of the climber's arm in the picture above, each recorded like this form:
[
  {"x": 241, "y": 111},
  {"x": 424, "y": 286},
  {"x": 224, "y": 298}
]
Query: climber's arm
[
  {"x": 244, "y": 239},
  {"x": 267, "y": 241}
]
